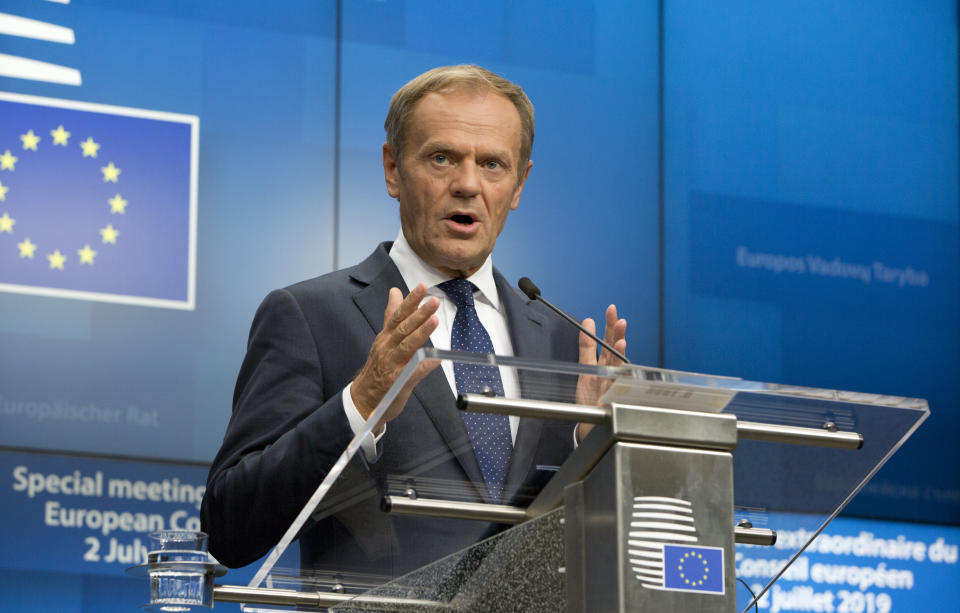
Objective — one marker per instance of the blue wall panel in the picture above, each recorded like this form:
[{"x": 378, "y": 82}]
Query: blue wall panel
[
  {"x": 811, "y": 212},
  {"x": 259, "y": 82}
]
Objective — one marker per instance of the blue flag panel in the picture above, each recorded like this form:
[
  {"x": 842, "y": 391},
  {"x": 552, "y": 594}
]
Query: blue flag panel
[
  {"x": 693, "y": 569},
  {"x": 97, "y": 202}
]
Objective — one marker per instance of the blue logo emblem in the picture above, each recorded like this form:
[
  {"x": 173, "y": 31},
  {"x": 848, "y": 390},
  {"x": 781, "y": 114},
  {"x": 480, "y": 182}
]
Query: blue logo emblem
[
  {"x": 97, "y": 202},
  {"x": 693, "y": 568}
]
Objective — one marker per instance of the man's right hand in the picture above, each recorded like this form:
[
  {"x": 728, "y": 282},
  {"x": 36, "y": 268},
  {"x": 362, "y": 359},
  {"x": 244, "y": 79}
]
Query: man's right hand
[{"x": 406, "y": 327}]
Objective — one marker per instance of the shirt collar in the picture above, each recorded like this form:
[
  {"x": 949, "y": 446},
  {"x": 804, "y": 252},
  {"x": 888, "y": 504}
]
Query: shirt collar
[{"x": 414, "y": 270}]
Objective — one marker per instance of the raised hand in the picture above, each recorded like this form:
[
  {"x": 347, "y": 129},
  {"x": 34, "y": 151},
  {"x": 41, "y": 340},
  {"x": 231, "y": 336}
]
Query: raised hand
[
  {"x": 406, "y": 327},
  {"x": 590, "y": 388}
]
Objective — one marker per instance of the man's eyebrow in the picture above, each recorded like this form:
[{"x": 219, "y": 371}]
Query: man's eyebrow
[
  {"x": 437, "y": 145},
  {"x": 432, "y": 146}
]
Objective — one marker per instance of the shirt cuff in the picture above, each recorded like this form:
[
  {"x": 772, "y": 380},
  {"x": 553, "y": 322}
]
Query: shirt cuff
[{"x": 357, "y": 423}]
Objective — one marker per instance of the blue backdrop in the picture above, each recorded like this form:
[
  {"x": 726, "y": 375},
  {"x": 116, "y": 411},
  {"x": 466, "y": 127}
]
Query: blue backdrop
[{"x": 825, "y": 132}]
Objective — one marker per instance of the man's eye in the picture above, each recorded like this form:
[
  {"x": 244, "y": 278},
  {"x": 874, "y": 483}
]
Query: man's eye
[
  {"x": 492, "y": 165},
  {"x": 440, "y": 158}
]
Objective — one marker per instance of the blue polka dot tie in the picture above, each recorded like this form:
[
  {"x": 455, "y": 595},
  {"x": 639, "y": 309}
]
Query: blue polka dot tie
[{"x": 489, "y": 434}]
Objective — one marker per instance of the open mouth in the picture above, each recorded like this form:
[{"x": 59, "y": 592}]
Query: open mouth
[{"x": 462, "y": 219}]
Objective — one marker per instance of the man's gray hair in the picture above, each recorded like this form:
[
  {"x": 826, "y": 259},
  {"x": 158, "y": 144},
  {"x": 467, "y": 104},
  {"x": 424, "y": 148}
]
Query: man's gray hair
[{"x": 452, "y": 78}]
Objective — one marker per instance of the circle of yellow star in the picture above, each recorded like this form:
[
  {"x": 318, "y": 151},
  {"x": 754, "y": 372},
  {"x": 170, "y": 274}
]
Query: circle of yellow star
[
  {"x": 110, "y": 173},
  {"x": 7, "y": 160},
  {"x": 693, "y": 581},
  {"x": 3, "y": 192},
  {"x": 56, "y": 260},
  {"x": 6, "y": 223},
  {"x": 90, "y": 148},
  {"x": 86, "y": 255},
  {"x": 109, "y": 234},
  {"x": 117, "y": 204},
  {"x": 60, "y": 136},
  {"x": 26, "y": 248},
  {"x": 30, "y": 140}
]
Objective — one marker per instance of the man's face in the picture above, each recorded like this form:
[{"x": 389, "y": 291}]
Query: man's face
[{"x": 458, "y": 178}]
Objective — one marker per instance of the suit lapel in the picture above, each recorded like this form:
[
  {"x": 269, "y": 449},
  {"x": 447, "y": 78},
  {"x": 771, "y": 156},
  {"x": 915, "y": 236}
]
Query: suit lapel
[
  {"x": 527, "y": 334},
  {"x": 379, "y": 274}
]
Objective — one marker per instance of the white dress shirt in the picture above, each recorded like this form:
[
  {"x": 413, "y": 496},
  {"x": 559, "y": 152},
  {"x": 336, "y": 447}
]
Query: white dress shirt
[{"x": 490, "y": 310}]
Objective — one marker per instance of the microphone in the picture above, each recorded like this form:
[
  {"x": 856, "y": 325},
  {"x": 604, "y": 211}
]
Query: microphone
[{"x": 533, "y": 293}]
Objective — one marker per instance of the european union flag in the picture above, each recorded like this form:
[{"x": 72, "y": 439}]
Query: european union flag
[
  {"x": 693, "y": 568},
  {"x": 97, "y": 202}
]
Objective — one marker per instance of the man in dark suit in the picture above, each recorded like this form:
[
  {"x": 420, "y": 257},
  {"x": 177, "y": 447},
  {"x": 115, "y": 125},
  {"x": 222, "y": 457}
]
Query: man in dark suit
[{"x": 323, "y": 353}]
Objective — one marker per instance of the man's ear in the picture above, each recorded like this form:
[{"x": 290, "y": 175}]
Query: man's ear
[
  {"x": 391, "y": 172},
  {"x": 523, "y": 179}
]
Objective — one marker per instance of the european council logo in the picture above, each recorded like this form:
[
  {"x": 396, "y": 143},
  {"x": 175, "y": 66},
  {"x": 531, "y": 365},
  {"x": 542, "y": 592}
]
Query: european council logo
[
  {"x": 97, "y": 202},
  {"x": 664, "y": 549}
]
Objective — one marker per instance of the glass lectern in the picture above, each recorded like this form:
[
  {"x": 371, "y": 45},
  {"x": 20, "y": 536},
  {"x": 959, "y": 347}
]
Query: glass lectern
[{"x": 644, "y": 513}]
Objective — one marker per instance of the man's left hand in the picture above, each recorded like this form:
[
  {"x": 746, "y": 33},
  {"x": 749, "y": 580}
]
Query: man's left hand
[{"x": 591, "y": 388}]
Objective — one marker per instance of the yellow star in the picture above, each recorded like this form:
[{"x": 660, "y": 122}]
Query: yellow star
[
  {"x": 60, "y": 136},
  {"x": 3, "y": 192},
  {"x": 56, "y": 260},
  {"x": 110, "y": 173},
  {"x": 30, "y": 140},
  {"x": 7, "y": 160},
  {"x": 109, "y": 234},
  {"x": 117, "y": 204},
  {"x": 90, "y": 148},
  {"x": 26, "y": 248},
  {"x": 86, "y": 255},
  {"x": 6, "y": 223}
]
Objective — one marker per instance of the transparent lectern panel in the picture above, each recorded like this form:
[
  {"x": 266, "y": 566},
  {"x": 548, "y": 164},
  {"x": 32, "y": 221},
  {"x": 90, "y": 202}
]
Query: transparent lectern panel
[
  {"x": 347, "y": 542},
  {"x": 805, "y": 486},
  {"x": 344, "y": 542}
]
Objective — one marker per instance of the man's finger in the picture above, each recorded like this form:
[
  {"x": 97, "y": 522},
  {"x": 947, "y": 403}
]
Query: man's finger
[
  {"x": 407, "y": 345},
  {"x": 621, "y": 332},
  {"x": 416, "y": 319},
  {"x": 588, "y": 346},
  {"x": 611, "y": 324},
  {"x": 394, "y": 298},
  {"x": 407, "y": 306},
  {"x": 614, "y": 333}
]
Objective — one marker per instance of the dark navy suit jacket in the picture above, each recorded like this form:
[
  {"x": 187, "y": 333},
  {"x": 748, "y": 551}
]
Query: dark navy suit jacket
[{"x": 288, "y": 427}]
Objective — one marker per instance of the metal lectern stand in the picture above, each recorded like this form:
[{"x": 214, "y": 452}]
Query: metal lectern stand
[{"x": 644, "y": 515}]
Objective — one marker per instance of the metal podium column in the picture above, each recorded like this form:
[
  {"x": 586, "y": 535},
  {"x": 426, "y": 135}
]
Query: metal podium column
[{"x": 650, "y": 528}]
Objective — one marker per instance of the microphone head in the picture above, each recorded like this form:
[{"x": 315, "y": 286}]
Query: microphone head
[{"x": 527, "y": 287}]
